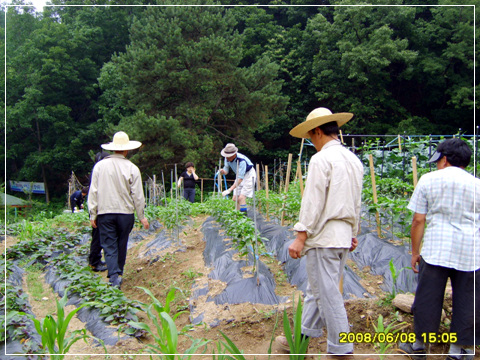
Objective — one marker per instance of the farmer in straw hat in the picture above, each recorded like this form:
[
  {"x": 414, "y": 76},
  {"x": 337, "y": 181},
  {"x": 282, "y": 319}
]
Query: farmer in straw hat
[
  {"x": 244, "y": 185},
  {"x": 327, "y": 228},
  {"x": 115, "y": 193}
]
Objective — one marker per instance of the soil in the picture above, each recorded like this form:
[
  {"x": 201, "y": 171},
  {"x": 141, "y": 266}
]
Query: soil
[{"x": 250, "y": 326}]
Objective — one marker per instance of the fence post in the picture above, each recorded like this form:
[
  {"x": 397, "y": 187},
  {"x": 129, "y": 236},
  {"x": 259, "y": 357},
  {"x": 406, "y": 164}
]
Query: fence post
[
  {"x": 287, "y": 182},
  {"x": 414, "y": 168},
  {"x": 266, "y": 190},
  {"x": 375, "y": 199}
]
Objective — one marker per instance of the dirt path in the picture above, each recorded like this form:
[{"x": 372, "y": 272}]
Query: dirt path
[{"x": 250, "y": 326}]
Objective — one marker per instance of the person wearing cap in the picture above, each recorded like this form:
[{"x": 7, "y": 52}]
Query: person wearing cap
[
  {"x": 447, "y": 201},
  {"x": 116, "y": 192},
  {"x": 244, "y": 184},
  {"x": 189, "y": 177},
  {"x": 327, "y": 228}
]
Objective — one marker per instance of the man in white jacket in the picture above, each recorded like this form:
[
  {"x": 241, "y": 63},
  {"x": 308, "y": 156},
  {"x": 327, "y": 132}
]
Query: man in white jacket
[
  {"x": 328, "y": 226},
  {"x": 116, "y": 192}
]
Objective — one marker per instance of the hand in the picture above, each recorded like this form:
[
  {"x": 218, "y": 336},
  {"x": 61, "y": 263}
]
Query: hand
[
  {"x": 94, "y": 223},
  {"x": 354, "y": 244},
  {"x": 81, "y": 206},
  {"x": 295, "y": 249},
  {"x": 415, "y": 260},
  {"x": 222, "y": 172},
  {"x": 226, "y": 192},
  {"x": 145, "y": 223}
]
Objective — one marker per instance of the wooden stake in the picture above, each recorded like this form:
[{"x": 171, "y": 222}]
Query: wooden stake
[
  {"x": 414, "y": 167},
  {"x": 375, "y": 199},
  {"x": 399, "y": 143},
  {"x": 289, "y": 167},
  {"x": 287, "y": 182},
  {"x": 266, "y": 190},
  {"x": 300, "y": 178},
  {"x": 201, "y": 190},
  {"x": 257, "y": 169},
  {"x": 341, "y": 137}
]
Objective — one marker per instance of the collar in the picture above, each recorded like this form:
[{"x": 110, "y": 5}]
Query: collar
[{"x": 333, "y": 142}]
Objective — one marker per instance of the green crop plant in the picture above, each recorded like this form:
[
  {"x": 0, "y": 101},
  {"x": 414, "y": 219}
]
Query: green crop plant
[
  {"x": 388, "y": 335},
  {"x": 54, "y": 333},
  {"x": 165, "y": 332},
  {"x": 297, "y": 343}
]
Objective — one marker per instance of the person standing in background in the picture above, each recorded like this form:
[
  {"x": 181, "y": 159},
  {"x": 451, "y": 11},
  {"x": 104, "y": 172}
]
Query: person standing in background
[{"x": 189, "y": 177}]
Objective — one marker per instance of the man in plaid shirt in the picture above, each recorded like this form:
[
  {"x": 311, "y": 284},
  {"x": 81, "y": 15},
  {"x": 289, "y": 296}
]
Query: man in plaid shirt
[{"x": 447, "y": 201}]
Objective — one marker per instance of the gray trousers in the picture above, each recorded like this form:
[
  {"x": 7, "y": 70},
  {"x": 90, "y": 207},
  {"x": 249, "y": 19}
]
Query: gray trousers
[{"x": 323, "y": 304}]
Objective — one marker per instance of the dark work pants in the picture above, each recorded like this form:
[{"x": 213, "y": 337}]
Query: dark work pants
[
  {"x": 428, "y": 304},
  {"x": 189, "y": 194},
  {"x": 114, "y": 230},
  {"x": 95, "y": 256}
]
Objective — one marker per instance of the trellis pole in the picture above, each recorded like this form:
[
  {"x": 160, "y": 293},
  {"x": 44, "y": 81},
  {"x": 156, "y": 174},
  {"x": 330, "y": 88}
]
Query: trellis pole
[
  {"x": 287, "y": 182},
  {"x": 266, "y": 190},
  {"x": 375, "y": 199},
  {"x": 176, "y": 205},
  {"x": 255, "y": 250},
  {"x": 414, "y": 169},
  {"x": 164, "y": 189}
]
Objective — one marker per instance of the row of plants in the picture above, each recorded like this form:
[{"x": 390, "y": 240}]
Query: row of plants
[{"x": 55, "y": 244}]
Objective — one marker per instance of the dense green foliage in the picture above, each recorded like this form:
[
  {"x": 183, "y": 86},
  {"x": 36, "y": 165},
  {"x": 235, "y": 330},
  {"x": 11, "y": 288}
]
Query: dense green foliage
[{"x": 187, "y": 80}]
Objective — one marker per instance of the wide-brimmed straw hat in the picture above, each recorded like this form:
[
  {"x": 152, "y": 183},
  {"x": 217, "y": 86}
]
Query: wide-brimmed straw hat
[
  {"x": 229, "y": 150},
  {"x": 318, "y": 117},
  {"x": 121, "y": 142}
]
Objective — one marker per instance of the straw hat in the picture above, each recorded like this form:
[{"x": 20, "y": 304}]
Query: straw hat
[
  {"x": 318, "y": 117},
  {"x": 121, "y": 142},
  {"x": 229, "y": 150}
]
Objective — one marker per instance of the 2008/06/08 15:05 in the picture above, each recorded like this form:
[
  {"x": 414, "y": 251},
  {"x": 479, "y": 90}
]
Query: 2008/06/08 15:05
[{"x": 360, "y": 337}]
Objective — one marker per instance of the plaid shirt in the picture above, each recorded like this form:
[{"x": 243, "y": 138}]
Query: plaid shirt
[{"x": 451, "y": 200}]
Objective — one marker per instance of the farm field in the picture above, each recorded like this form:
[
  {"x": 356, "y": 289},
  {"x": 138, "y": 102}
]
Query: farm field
[
  {"x": 221, "y": 279},
  {"x": 249, "y": 326}
]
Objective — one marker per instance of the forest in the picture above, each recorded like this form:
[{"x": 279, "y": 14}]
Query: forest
[{"x": 186, "y": 80}]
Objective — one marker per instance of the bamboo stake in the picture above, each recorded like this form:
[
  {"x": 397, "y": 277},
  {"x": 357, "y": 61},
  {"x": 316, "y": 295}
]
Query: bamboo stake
[
  {"x": 399, "y": 143},
  {"x": 289, "y": 167},
  {"x": 201, "y": 190},
  {"x": 375, "y": 199},
  {"x": 300, "y": 178},
  {"x": 266, "y": 190},
  {"x": 287, "y": 182},
  {"x": 257, "y": 169},
  {"x": 341, "y": 137},
  {"x": 414, "y": 167}
]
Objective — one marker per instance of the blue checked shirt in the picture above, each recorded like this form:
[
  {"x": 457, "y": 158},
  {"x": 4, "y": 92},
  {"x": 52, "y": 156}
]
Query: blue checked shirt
[{"x": 450, "y": 198}]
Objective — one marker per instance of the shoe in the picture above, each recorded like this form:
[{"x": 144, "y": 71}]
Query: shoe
[
  {"x": 282, "y": 342},
  {"x": 99, "y": 267},
  {"x": 116, "y": 281},
  {"x": 348, "y": 356},
  {"x": 412, "y": 354},
  {"x": 465, "y": 355}
]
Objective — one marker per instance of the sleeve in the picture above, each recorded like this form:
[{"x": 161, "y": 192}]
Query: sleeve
[
  {"x": 242, "y": 167},
  {"x": 313, "y": 200},
  {"x": 136, "y": 191},
  {"x": 226, "y": 167},
  {"x": 418, "y": 202},
  {"x": 93, "y": 195}
]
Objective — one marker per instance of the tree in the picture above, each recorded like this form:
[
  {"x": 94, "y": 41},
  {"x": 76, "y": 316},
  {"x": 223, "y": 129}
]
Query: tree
[{"x": 180, "y": 90}]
